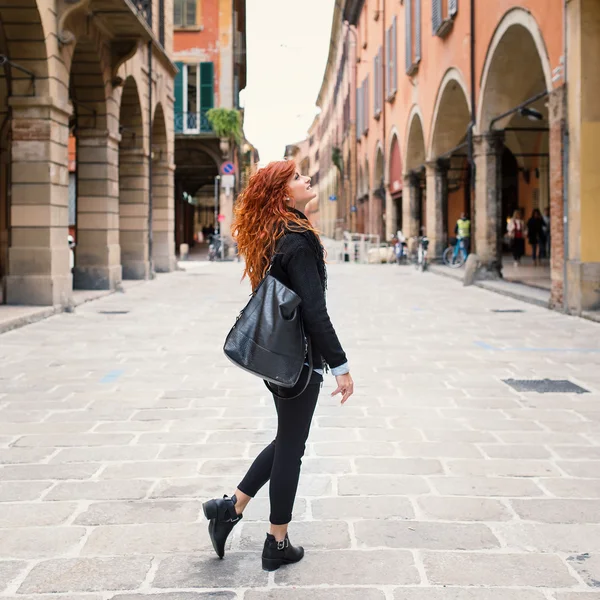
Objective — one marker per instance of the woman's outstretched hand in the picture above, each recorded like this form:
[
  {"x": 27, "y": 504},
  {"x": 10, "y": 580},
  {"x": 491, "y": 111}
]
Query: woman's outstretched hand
[{"x": 345, "y": 386}]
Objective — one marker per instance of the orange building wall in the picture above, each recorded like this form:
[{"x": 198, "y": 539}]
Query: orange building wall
[
  {"x": 437, "y": 56},
  {"x": 204, "y": 38}
]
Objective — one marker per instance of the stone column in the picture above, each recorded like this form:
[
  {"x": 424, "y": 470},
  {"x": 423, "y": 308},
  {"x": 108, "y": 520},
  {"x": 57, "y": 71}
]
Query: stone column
[
  {"x": 38, "y": 257},
  {"x": 133, "y": 213},
  {"x": 557, "y": 118},
  {"x": 98, "y": 254},
  {"x": 488, "y": 199},
  {"x": 437, "y": 206},
  {"x": 411, "y": 204},
  {"x": 163, "y": 217}
]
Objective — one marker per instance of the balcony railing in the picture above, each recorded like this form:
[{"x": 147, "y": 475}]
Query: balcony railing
[{"x": 191, "y": 123}]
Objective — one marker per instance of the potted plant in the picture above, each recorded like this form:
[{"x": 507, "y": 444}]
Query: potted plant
[{"x": 227, "y": 124}]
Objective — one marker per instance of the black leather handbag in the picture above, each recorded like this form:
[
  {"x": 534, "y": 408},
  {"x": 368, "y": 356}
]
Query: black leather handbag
[{"x": 268, "y": 338}]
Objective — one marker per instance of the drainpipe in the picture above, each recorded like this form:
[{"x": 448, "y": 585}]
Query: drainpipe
[
  {"x": 473, "y": 117},
  {"x": 150, "y": 235},
  {"x": 383, "y": 108},
  {"x": 566, "y": 150}
]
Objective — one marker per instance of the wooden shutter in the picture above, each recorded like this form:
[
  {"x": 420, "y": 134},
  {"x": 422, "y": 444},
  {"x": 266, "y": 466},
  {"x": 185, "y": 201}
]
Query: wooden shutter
[
  {"x": 452, "y": 7},
  {"x": 179, "y": 91},
  {"x": 437, "y": 15},
  {"x": 358, "y": 112},
  {"x": 388, "y": 52},
  {"x": 207, "y": 95},
  {"x": 178, "y": 13},
  {"x": 417, "y": 31},
  {"x": 376, "y": 79},
  {"x": 190, "y": 12},
  {"x": 382, "y": 76},
  {"x": 366, "y": 112},
  {"x": 408, "y": 35},
  {"x": 394, "y": 55}
]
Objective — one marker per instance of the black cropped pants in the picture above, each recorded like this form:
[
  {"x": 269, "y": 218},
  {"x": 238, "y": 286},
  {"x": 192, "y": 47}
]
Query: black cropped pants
[{"x": 281, "y": 460}]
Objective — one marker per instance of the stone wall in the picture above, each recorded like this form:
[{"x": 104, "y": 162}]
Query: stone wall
[{"x": 81, "y": 72}]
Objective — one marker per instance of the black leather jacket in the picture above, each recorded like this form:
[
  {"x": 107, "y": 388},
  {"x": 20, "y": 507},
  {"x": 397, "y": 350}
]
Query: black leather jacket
[{"x": 295, "y": 265}]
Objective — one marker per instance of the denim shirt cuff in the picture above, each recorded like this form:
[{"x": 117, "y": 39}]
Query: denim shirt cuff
[{"x": 341, "y": 370}]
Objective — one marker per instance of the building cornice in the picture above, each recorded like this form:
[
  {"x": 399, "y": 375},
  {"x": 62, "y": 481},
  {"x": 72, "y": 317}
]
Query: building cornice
[{"x": 336, "y": 28}]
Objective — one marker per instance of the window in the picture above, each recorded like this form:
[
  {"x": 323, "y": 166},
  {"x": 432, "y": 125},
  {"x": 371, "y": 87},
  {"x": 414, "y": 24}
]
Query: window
[
  {"x": 412, "y": 10},
  {"x": 185, "y": 13},
  {"x": 362, "y": 108},
  {"x": 194, "y": 95},
  {"x": 378, "y": 83},
  {"x": 442, "y": 16},
  {"x": 391, "y": 51}
]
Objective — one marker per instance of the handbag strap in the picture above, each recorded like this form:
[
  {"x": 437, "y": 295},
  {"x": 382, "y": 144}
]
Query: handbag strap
[{"x": 308, "y": 378}]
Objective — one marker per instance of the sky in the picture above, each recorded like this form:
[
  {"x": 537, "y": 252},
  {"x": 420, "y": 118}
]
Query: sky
[{"x": 287, "y": 46}]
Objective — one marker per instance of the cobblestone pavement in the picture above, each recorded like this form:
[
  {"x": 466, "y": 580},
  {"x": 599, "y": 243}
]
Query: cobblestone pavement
[{"x": 436, "y": 481}]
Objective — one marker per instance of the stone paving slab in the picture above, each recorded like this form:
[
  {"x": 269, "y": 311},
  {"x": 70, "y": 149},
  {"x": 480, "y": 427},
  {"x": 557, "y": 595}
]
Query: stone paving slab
[{"x": 435, "y": 482}]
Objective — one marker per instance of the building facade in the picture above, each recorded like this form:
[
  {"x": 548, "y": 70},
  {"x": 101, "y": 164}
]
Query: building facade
[
  {"x": 335, "y": 124},
  {"x": 98, "y": 72},
  {"x": 210, "y": 52},
  {"x": 465, "y": 106}
]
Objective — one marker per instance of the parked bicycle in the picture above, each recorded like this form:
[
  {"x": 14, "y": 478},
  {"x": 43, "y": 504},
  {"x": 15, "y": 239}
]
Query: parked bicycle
[
  {"x": 420, "y": 257},
  {"x": 455, "y": 255}
]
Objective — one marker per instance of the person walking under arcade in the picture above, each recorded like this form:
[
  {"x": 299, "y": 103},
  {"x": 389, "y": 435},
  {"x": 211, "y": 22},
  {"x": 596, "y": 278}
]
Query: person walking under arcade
[
  {"x": 462, "y": 230},
  {"x": 270, "y": 228},
  {"x": 516, "y": 233}
]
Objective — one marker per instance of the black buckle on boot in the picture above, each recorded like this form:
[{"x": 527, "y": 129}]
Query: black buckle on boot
[{"x": 283, "y": 544}]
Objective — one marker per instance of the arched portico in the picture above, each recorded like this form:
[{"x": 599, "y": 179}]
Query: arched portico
[
  {"x": 516, "y": 80},
  {"x": 34, "y": 266},
  {"x": 395, "y": 187},
  {"x": 377, "y": 197},
  {"x": 97, "y": 255},
  {"x": 414, "y": 210},
  {"x": 448, "y": 189},
  {"x": 133, "y": 185},
  {"x": 163, "y": 205}
]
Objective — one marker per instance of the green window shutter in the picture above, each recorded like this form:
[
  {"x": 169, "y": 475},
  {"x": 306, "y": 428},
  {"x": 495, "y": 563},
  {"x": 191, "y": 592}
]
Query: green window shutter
[
  {"x": 179, "y": 91},
  {"x": 207, "y": 93},
  {"x": 207, "y": 87}
]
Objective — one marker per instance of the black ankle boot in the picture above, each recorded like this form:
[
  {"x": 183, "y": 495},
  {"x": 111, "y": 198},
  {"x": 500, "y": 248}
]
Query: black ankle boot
[
  {"x": 277, "y": 553},
  {"x": 223, "y": 518}
]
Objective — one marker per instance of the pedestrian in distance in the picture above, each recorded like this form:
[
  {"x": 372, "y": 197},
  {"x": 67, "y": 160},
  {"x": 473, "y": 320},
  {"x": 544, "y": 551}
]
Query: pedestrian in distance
[
  {"x": 272, "y": 231},
  {"x": 516, "y": 233},
  {"x": 546, "y": 246},
  {"x": 462, "y": 230},
  {"x": 536, "y": 235}
]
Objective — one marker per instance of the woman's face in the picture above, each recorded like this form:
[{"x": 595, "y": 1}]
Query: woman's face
[{"x": 300, "y": 190}]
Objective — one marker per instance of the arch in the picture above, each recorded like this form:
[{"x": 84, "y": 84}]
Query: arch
[
  {"x": 131, "y": 116},
  {"x": 133, "y": 185},
  {"x": 451, "y": 115},
  {"x": 163, "y": 205},
  {"x": 517, "y": 53},
  {"x": 378, "y": 171},
  {"x": 28, "y": 50},
  {"x": 394, "y": 170},
  {"x": 88, "y": 86},
  {"x": 415, "y": 155},
  {"x": 393, "y": 133},
  {"x": 97, "y": 255}
]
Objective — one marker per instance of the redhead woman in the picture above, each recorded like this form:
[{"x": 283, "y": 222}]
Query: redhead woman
[{"x": 270, "y": 226}]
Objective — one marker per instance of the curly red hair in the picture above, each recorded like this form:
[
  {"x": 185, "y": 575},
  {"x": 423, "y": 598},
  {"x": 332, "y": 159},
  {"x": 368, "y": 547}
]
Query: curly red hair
[{"x": 261, "y": 216}]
